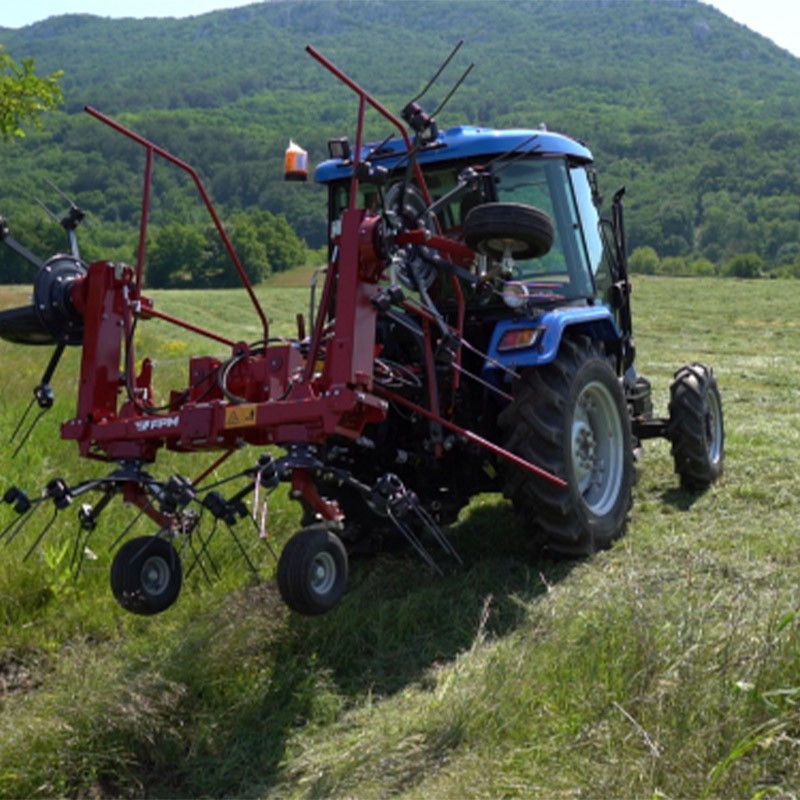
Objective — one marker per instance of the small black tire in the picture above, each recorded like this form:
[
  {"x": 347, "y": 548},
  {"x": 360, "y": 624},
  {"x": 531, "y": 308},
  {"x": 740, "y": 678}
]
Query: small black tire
[
  {"x": 146, "y": 575},
  {"x": 696, "y": 427},
  {"x": 312, "y": 571},
  {"x": 522, "y": 231}
]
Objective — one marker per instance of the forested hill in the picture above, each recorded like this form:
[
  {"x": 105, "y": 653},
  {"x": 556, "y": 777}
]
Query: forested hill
[{"x": 697, "y": 115}]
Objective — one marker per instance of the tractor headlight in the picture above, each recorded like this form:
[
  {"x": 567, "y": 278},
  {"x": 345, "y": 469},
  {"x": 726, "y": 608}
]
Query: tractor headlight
[
  {"x": 517, "y": 338},
  {"x": 339, "y": 148},
  {"x": 515, "y": 294}
]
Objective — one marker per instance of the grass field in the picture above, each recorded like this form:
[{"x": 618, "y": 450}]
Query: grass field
[{"x": 667, "y": 667}]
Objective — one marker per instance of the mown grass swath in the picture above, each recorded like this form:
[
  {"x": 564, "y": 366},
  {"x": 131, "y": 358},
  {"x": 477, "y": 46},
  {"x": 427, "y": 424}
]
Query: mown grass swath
[{"x": 668, "y": 666}]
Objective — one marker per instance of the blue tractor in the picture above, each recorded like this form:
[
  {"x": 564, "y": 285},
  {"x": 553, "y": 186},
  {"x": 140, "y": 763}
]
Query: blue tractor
[{"x": 504, "y": 342}]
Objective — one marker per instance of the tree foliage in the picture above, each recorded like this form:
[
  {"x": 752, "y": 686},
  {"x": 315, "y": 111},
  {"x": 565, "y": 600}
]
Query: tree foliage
[
  {"x": 745, "y": 265},
  {"x": 183, "y": 255},
  {"x": 24, "y": 95}
]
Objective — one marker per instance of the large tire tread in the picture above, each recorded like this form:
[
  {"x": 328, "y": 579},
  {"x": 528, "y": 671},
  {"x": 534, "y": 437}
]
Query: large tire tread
[
  {"x": 537, "y": 427},
  {"x": 127, "y": 575},
  {"x": 696, "y": 429},
  {"x": 528, "y": 231},
  {"x": 296, "y": 566}
]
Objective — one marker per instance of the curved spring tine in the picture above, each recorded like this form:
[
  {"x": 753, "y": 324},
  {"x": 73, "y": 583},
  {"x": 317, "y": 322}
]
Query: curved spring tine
[
  {"x": 198, "y": 554},
  {"x": 431, "y": 525},
  {"x": 41, "y": 535},
  {"x": 16, "y": 525},
  {"x": 28, "y": 432},
  {"x": 126, "y": 530},
  {"x": 412, "y": 539},
  {"x": 79, "y": 553}
]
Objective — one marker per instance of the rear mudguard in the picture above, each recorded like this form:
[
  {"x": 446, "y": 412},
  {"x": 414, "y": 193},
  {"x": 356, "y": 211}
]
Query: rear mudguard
[{"x": 596, "y": 322}]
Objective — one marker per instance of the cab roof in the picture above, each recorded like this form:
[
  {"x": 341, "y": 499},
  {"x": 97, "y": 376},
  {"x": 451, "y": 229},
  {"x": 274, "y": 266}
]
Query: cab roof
[{"x": 463, "y": 142}]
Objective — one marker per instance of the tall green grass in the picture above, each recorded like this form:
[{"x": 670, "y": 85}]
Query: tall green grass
[{"x": 668, "y": 666}]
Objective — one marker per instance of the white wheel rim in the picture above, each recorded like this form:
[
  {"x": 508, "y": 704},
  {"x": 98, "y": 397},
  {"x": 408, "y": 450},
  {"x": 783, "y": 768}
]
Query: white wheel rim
[
  {"x": 155, "y": 575},
  {"x": 507, "y": 246},
  {"x": 598, "y": 454},
  {"x": 323, "y": 573}
]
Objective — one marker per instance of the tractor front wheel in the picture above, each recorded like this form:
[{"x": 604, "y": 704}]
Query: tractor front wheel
[
  {"x": 146, "y": 575},
  {"x": 696, "y": 428},
  {"x": 312, "y": 571},
  {"x": 570, "y": 418}
]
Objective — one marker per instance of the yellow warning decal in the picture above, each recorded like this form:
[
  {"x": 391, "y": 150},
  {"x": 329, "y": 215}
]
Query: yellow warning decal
[{"x": 240, "y": 416}]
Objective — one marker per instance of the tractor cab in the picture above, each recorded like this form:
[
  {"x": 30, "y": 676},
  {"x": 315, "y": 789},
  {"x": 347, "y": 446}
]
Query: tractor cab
[{"x": 469, "y": 167}]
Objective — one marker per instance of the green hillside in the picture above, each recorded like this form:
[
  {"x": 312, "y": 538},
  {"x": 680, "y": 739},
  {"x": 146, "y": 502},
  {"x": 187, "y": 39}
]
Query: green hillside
[{"x": 695, "y": 114}]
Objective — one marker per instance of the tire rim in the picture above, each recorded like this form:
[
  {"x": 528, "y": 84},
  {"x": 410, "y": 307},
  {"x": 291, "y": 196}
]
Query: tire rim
[
  {"x": 323, "y": 573},
  {"x": 714, "y": 427},
  {"x": 155, "y": 576},
  {"x": 598, "y": 454},
  {"x": 506, "y": 246}
]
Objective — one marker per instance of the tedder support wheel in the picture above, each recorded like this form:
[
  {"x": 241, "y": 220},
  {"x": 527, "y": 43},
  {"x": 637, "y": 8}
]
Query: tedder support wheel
[
  {"x": 696, "y": 428},
  {"x": 312, "y": 571},
  {"x": 509, "y": 229},
  {"x": 146, "y": 575},
  {"x": 570, "y": 418}
]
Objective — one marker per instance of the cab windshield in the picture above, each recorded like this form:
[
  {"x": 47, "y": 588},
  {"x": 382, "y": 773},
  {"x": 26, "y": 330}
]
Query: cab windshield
[
  {"x": 565, "y": 194},
  {"x": 575, "y": 267}
]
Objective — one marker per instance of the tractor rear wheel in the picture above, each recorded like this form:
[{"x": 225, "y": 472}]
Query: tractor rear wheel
[
  {"x": 570, "y": 418},
  {"x": 696, "y": 428},
  {"x": 146, "y": 575},
  {"x": 312, "y": 571},
  {"x": 515, "y": 229}
]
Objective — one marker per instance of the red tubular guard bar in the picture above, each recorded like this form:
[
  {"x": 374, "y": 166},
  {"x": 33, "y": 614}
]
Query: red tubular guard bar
[{"x": 154, "y": 149}]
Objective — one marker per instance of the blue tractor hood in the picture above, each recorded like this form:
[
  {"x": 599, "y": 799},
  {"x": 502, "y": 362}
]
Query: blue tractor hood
[{"x": 463, "y": 142}]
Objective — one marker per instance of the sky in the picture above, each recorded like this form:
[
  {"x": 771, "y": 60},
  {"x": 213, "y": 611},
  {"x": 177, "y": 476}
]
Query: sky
[{"x": 778, "y": 20}]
